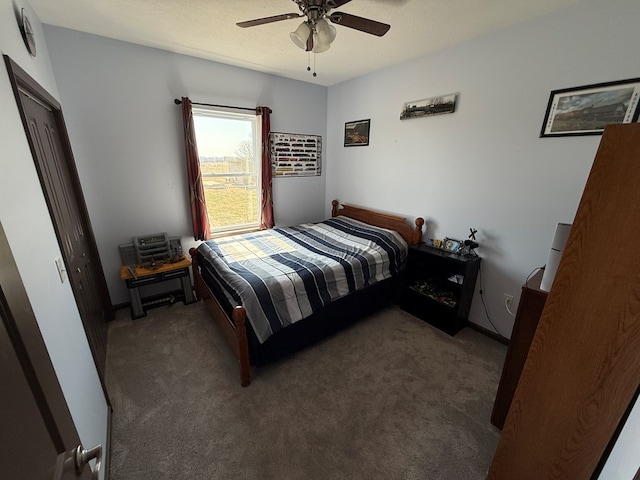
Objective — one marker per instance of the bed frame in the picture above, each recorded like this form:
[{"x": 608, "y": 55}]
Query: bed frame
[{"x": 234, "y": 326}]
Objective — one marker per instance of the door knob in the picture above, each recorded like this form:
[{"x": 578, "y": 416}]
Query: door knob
[{"x": 83, "y": 457}]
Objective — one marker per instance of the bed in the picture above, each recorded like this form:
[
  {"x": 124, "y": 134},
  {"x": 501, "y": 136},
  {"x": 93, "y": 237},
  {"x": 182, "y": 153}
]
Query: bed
[{"x": 276, "y": 291}]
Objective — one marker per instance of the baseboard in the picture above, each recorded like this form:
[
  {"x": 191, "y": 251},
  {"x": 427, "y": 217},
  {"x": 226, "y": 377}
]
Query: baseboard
[{"x": 488, "y": 333}]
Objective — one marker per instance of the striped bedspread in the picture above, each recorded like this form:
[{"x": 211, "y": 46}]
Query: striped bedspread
[{"x": 283, "y": 275}]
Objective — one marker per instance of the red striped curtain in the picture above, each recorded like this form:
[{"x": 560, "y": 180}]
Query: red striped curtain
[
  {"x": 199, "y": 218},
  {"x": 266, "y": 210}
]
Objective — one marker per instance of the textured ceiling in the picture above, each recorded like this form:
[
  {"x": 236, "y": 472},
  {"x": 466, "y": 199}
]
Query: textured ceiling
[{"x": 206, "y": 29}]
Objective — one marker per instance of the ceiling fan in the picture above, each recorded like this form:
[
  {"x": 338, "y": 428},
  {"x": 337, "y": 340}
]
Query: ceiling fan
[{"x": 315, "y": 34}]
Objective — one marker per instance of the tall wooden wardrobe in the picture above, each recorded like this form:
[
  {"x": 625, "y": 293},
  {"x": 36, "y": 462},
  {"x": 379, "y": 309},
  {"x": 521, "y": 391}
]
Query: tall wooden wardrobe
[{"x": 583, "y": 367}]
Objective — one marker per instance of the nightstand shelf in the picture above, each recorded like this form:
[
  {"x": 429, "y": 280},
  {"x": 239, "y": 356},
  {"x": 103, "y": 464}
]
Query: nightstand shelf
[{"x": 439, "y": 286}]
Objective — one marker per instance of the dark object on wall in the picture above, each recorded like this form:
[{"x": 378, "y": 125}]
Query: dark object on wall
[
  {"x": 27, "y": 32},
  {"x": 530, "y": 308},
  {"x": 357, "y": 133},
  {"x": 429, "y": 107},
  {"x": 295, "y": 155},
  {"x": 177, "y": 101},
  {"x": 583, "y": 366},
  {"x": 589, "y": 109}
]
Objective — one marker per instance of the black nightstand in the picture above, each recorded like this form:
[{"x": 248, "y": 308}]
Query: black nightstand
[{"x": 439, "y": 286}]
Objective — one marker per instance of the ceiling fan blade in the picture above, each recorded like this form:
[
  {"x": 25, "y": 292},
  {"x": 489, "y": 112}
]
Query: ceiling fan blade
[
  {"x": 359, "y": 23},
  {"x": 262, "y": 21},
  {"x": 336, "y": 3}
]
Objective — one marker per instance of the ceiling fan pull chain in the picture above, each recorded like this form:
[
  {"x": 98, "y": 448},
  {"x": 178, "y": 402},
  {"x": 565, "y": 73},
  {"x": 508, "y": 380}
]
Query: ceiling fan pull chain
[{"x": 314, "y": 64}]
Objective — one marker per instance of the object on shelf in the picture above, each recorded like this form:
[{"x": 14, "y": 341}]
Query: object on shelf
[
  {"x": 470, "y": 244},
  {"x": 151, "y": 251},
  {"x": 428, "y": 289}
]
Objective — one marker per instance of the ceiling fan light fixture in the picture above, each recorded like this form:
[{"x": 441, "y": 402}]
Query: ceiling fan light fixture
[
  {"x": 300, "y": 36},
  {"x": 323, "y": 36},
  {"x": 319, "y": 47},
  {"x": 326, "y": 32}
]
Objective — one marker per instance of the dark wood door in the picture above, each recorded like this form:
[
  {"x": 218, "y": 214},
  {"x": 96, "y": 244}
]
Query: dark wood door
[
  {"x": 583, "y": 367},
  {"x": 63, "y": 203},
  {"x": 37, "y": 433},
  {"x": 51, "y": 150}
]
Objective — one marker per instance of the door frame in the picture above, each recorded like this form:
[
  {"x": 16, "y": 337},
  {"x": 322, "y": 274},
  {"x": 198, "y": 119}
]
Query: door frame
[
  {"x": 21, "y": 80},
  {"x": 24, "y": 334}
]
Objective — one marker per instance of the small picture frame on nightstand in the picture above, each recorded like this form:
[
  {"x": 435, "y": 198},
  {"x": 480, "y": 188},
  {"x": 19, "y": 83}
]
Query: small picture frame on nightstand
[{"x": 451, "y": 244}]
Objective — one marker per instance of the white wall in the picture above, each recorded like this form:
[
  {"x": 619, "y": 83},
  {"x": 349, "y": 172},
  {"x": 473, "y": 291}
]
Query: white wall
[
  {"x": 484, "y": 166},
  {"x": 127, "y": 134},
  {"x": 26, "y": 221}
]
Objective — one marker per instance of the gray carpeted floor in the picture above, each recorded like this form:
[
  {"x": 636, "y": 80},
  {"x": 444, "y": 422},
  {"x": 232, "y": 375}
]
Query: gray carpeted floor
[{"x": 390, "y": 398}]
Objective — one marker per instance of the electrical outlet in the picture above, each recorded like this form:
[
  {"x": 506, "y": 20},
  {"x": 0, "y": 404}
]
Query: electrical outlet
[{"x": 508, "y": 301}]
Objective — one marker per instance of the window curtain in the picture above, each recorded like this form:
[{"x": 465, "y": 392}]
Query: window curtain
[
  {"x": 199, "y": 218},
  {"x": 266, "y": 210}
]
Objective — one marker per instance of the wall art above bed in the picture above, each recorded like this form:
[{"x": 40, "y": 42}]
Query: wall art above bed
[
  {"x": 429, "y": 107},
  {"x": 587, "y": 110},
  {"x": 295, "y": 155},
  {"x": 357, "y": 133}
]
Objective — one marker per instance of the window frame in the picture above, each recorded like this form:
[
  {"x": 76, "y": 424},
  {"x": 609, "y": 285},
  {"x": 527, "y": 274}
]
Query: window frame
[{"x": 221, "y": 113}]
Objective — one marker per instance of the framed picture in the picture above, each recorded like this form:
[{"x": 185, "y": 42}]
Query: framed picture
[
  {"x": 357, "y": 133},
  {"x": 429, "y": 106},
  {"x": 451, "y": 244},
  {"x": 295, "y": 155},
  {"x": 587, "y": 110}
]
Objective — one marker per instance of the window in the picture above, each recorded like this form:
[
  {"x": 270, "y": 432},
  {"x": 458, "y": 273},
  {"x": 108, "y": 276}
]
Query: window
[{"x": 229, "y": 151}]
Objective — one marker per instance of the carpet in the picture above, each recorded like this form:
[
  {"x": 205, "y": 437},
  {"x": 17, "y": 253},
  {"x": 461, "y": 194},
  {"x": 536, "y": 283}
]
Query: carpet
[{"x": 388, "y": 398}]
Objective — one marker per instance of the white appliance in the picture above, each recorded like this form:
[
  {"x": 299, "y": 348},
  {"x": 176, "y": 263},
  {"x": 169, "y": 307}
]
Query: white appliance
[{"x": 555, "y": 254}]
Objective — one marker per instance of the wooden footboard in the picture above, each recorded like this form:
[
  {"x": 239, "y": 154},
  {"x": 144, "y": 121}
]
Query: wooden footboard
[{"x": 234, "y": 328}]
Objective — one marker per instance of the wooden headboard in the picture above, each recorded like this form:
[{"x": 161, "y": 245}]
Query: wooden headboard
[{"x": 411, "y": 235}]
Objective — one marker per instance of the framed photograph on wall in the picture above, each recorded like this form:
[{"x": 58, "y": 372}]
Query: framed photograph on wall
[
  {"x": 587, "y": 110},
  {"x": 429, "y": 106},
  {"x": 295, "y": 155},
  {"x": 357, "y": 133}
]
